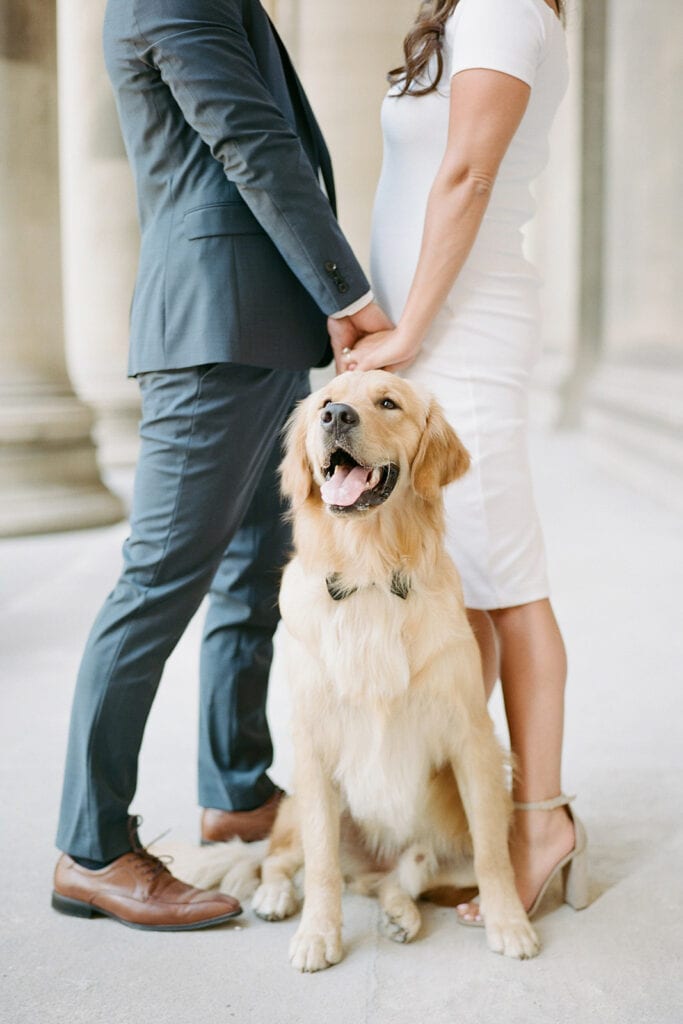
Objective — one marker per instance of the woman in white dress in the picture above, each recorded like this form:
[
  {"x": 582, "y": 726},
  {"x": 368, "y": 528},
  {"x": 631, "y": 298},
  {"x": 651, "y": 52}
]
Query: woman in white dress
[{"x": 466, "y": 125}]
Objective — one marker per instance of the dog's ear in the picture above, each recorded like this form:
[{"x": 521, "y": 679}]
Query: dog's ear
[
  {"x": 296, "y": 478},
  {"x": 441, "y": 456}
]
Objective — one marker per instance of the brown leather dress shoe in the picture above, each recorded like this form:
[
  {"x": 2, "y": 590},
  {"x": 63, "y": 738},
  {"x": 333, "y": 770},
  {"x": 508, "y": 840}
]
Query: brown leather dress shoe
[
  {"x": 138, "y": 890},
  {"x": 249, "y": 826}
]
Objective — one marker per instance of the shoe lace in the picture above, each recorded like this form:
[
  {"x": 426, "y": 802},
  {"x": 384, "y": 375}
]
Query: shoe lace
[{"x": 149, "y": 864}]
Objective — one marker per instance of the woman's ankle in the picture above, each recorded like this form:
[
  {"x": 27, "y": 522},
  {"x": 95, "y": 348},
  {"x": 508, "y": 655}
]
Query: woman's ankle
[{"x": 536, "y": 828}]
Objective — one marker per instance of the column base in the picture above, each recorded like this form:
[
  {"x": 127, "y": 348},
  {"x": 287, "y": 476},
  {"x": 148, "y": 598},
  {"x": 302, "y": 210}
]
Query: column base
[
  {"x": 49, "y": 477},
  {"x": 116, "y": 434},
  {"x": 114, "y": 401}
]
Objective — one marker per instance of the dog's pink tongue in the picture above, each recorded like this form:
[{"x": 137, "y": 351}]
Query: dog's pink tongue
[{"x": 346, "y": 486}]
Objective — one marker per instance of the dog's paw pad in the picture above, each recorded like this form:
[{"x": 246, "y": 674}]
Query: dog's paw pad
[
  {"x": 402, "y": 926},
  {"x": 274, "y": 901},
  {"x": 314, "y": 951},
  {"x": 516, "y": 939}
]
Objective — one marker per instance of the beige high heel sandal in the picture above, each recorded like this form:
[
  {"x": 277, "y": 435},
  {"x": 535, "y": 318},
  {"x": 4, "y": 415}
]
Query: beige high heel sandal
[{"x": 574, "y": 866}]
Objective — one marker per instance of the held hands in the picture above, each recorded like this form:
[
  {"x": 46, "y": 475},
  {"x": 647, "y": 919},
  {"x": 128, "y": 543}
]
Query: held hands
[
  {"x": 369, "y": 341},
  {"x": 345, "y": 332},
  {"x": 384, "y": 350}
]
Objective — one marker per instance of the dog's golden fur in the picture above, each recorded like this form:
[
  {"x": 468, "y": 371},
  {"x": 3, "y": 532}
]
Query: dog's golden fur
[{"x": 388, "y": 699}]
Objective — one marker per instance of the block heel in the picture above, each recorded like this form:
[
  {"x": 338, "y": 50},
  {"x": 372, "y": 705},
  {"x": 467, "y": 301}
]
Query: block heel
[
  {"x": 574, "y": 867},
  {"x": 576, "y": 884},
  {"x": 74, "y": 908}
]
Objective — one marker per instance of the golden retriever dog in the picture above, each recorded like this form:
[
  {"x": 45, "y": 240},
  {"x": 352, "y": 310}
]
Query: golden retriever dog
[{"x": 395, "y": 755}]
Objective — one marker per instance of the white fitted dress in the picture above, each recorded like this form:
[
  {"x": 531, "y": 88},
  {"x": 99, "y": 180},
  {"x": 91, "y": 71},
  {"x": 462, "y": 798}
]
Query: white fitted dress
[{"x": 479, "y": 353}]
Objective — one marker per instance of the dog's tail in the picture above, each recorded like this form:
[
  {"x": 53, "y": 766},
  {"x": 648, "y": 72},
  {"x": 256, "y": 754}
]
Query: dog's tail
[{"x": 232, "y": 868}]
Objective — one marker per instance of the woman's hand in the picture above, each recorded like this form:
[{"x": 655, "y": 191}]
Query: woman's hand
[{"x": 384, "y": 350}]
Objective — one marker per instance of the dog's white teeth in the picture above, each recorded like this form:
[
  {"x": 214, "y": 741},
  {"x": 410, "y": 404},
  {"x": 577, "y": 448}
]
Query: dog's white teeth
[{"x": 375, "y": 477}]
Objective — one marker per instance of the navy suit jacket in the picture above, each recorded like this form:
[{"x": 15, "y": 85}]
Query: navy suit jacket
[{"x": 241, "y": 255}]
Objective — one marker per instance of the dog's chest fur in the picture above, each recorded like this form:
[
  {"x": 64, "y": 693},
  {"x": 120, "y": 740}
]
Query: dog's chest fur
[
  {"x": 382, "y": 767},
  {"x": 371, "y": 647}
]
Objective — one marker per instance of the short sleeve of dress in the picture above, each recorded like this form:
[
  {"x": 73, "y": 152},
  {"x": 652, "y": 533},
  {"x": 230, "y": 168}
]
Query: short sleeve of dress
[{"x": 501, "y": 35}]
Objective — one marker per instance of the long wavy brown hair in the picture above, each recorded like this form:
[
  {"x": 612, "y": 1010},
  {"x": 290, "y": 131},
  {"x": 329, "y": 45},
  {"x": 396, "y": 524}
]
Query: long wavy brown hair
[{"x": 423, "y": 42}]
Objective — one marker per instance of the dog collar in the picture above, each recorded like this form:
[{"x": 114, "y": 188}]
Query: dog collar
[{"x": 400, "y": 585}]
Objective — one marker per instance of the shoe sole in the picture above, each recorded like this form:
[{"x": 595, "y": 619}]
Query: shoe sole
[{"x": 76, "y": 908}]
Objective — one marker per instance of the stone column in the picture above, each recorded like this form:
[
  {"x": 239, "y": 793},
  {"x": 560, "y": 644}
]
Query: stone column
[
  {"x": 285, "y": 14},
  {"x": 553, "y": 239},
  {"x": 100, "y": 237},
  {"x": 48, "y": 471},
  {"x": 589, "y": 210},
  {"x": 633, "y": 402}
]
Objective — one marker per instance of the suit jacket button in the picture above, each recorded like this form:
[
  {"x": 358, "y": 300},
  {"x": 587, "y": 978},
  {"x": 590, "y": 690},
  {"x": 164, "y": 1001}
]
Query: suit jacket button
[
  {"x": 343, "y": 287},
  {"x": 330, "y": 267}
]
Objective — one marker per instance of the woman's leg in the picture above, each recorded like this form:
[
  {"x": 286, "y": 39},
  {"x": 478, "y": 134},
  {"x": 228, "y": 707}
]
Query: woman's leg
[{"x": 533, "y": 668}]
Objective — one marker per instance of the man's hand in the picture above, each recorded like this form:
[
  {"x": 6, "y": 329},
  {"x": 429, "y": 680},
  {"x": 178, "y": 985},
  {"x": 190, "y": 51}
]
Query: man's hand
[{"x": 345, "y": 332}]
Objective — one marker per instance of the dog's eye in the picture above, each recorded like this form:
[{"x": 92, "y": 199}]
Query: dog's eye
[{"x": 388, "y": 403}]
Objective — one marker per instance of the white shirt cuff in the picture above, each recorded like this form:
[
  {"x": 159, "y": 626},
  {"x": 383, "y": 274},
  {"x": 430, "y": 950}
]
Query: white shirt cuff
[{"x": 355, "y": 307}]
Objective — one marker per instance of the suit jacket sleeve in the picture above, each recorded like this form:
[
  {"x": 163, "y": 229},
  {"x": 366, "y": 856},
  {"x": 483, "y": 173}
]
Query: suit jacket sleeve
[{"x": 203, "y": 54}]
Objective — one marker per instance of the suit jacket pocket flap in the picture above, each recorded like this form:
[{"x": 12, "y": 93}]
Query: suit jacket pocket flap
[{"x": 221, "y": 219}]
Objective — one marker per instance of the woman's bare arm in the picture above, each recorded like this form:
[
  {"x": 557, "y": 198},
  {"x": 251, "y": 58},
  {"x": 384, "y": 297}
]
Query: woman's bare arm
[{"x": 486, "y": 108}]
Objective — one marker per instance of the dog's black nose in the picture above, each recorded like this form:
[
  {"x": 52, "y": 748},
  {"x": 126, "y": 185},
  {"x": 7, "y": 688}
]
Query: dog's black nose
[{"x": 338, "y": 418}]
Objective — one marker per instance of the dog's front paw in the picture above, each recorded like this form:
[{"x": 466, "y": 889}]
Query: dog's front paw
[
  {"x": 274, "y": 901},
  {"x": 313, "y": 950},
  {"x": 512, "y": 937}
]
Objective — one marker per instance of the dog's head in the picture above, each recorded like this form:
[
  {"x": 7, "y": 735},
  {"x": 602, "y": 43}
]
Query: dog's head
[{"x": 366, "y": 438}]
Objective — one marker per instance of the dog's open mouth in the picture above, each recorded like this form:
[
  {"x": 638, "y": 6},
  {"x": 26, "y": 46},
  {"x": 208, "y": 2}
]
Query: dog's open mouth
[{"x": 352, "y": 487}]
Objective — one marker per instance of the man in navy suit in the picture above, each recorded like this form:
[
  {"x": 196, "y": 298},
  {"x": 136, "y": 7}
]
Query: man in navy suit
[{"x": 241, "y": 262}]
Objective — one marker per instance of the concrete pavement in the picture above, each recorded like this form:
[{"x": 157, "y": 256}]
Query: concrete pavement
[{"x": 616, "y": 562}]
